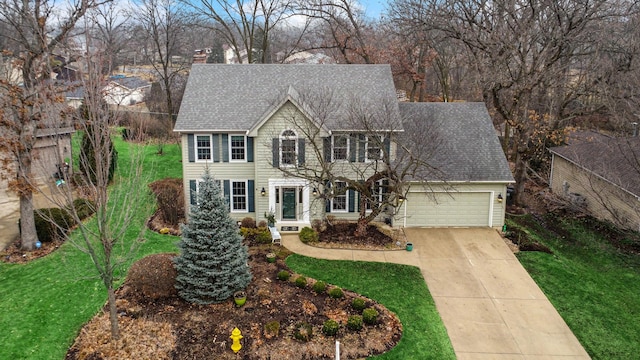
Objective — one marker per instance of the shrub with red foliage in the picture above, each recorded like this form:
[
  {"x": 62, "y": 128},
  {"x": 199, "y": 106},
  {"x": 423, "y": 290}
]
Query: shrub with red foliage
[{"x": 153, "y": 277}]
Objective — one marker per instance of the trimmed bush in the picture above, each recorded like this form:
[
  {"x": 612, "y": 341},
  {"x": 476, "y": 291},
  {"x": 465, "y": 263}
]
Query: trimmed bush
[
  {"x": 248, "y": 222},
  {"x": 263, "y": 236},
  {"x": 308, "y": 235},
  {"x": 301, "y": 281},
  {"x": 303, "y": 331},
  {"x": 358, "y": 304},
  {"x": 336, "y": 293},
  {"x": 370, "y": 316},
  {"x": 262, "y": 223},
  {"x": 284, "y": 275},
  {"x": 154, "y": 277},
  {"x": 330, "y": 327},
  {"x": 170, "y": 197},
  {"x": 52, "y": 223},
  {"x": 84, "y": 208},
  {"x": 354, "y": 322},
  {"x": 320, "y": 286}
]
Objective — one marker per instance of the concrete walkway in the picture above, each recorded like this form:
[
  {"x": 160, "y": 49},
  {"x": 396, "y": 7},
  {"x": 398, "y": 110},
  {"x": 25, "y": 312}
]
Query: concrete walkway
[{"x": 491, "y": 307}]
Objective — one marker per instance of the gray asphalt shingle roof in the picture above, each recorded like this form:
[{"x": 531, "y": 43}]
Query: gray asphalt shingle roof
[
  {"x": 457, "y": 139},
  {"x": 616, "y": 160},
  {"x": 221, "y": 97}
]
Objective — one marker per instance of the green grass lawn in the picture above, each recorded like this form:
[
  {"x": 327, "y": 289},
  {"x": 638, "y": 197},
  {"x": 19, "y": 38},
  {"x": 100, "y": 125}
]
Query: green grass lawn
[
  {"x": 595, "y": 287},
  {"x": 44, "y": 304},
  {"x": 401, "y": 289}
]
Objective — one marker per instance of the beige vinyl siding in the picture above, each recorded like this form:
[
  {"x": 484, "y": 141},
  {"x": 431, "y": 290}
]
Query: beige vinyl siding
[
  {"x": 454, "y": 205},
  {"x": 604, "y": 200}
]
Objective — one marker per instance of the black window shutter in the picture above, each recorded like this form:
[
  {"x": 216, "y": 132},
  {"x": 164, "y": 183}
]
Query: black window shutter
[
  {"x": 326, "y": 145},
  {"x": 191, "y": 148},
  {"x": 249, "y": 149},
  {"x": 327, "y": 203},
  {"x": 361, "y": 146},
  {"x": 216, "y": 147},
  {"x": 192, "y": 192},
  {"x": 227, "y": 192},
  {"x": 352, "y": 200},
  {"x": 225, "y": 147},
  {"x": 387, "y": 148},
  {"x": 353, "y": 147},
  {"x": 275, "y": 148},
  {"x": 251, "y": 191},
  {"x": 300, "y": 152}
]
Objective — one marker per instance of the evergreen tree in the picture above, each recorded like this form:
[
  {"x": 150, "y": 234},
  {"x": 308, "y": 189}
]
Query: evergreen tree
[
  {"x": 212, "y": 264},
  {"x": 92, "y": 141}
]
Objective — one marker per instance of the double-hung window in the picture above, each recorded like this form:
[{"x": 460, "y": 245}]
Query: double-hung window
[
  {"x": 237, "y": 147},
  {"x": 239, "y": 196},
  {"x": 203, "y": 147},
  {"x": 340, "y": 200},
  {"x": 340, "y": 147},
  {"x": 377, "y": 193},
  {"x": 373, "y": 148},
  {"x": 288, "y": 148}
]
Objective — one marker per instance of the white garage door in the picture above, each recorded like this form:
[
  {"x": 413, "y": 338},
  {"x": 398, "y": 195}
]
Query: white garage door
[{"x": 448, "y": 209}]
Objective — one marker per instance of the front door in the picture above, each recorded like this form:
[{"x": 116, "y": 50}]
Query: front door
[{"x": 288, "y": 203}]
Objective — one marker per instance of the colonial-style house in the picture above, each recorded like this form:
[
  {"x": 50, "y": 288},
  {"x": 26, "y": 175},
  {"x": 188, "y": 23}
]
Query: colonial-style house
[
  {"x": 601, "y": 174},
  {"x": 270, "y": 133}
]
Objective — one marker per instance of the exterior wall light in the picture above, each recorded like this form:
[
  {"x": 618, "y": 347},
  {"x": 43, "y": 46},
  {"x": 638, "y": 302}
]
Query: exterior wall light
[{"x": 263, "y": 192}]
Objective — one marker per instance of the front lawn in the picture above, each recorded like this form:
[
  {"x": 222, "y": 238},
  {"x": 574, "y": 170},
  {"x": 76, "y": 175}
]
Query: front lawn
[
  {"x": 401, "y": 289},
  {"x": 592, "y": 284}
]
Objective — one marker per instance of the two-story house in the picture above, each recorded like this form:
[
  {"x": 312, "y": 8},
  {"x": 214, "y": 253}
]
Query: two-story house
[{"x": 272, "y": 135}]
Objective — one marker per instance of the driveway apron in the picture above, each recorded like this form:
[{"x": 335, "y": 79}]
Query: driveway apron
[{"x": 491, "y": 307}]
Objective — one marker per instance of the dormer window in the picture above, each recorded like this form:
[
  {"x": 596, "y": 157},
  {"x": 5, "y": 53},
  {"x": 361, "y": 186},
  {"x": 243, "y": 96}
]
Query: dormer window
[{"x": 288, "y": 148}]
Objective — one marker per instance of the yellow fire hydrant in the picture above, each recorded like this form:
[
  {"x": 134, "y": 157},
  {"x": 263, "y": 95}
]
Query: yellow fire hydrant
[{"x": 236, "y": 335}]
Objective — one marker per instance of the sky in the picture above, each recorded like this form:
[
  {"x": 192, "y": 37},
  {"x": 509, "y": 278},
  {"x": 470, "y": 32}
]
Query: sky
[{"x": 373, "y": 8}]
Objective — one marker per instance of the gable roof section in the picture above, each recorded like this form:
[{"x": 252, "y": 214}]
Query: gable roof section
[
  {"x": 236, "y": 97},
  {"x": 130, "y": 82},
  {"x": 616, "y": 160},
  {"x": 457, "y": 140}
]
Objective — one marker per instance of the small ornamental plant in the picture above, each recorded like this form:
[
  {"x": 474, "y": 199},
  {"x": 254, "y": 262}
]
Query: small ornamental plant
[
  {"x": 303, "y": 331},
  {"x": 320, "y": 287},
  {"x": 336, "y": 293},
  {"x": 284, "y": 275},
  {"x": 308, "y": 235},
  {"x": 370, "y": 316},
  {"x": 354, "y": 322},
  {"x": 330, "y": 327},
  {"x": 271, "y": 329},
  {"x": 358, "y": 304},
  {"x": 301, "y": 282}
]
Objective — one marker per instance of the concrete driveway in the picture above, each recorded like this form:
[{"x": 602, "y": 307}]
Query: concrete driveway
[{"x": 491, "y": 307}]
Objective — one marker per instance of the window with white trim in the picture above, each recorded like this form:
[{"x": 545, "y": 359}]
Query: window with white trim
[
  {"x": 373, "y": 148},
  {"x": 237, "y": 147},
  {"x": 340, "y": 147},
  {"x": 203, "y": 147},
  {"x": 239, "y": 194},
  {"x": 377, "y": 191},
  {"x": 288, "y": 148},
  {"x": 340, "y": 200}
]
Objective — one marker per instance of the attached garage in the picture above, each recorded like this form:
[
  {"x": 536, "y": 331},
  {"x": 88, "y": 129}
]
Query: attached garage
[{"x": 449, "y": 209}]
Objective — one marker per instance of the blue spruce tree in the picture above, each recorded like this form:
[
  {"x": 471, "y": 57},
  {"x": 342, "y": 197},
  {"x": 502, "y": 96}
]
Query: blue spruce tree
[{"x": 212, "y": 264}]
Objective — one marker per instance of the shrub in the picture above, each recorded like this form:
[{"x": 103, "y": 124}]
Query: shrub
[
  {"x": 83, "y": 207},
  {"x": 355, "y": 322},
  {"x": 154, "y": 277},
  {"x": 284, "y": 275},
  {"x": 301, "y": 281},
  {"x": 320, "y": 286},
  {"x": 308, "y": 235},
  {"x": 330, "y": 327},
  {"x": 263, "y": 236},
  {"x": 52, "y": 223},
  {"x": 262, "y": 223},
  {"x": 303, "y": 331},
  {"x": 248, "y": 222},
  {"x": 370, "y": 316},
  {"x": 336, "y": 293},
  {"x": 169, "y": 195},
  {"x": 271, "y": 329},
  {"x": 358, "y": 304}
]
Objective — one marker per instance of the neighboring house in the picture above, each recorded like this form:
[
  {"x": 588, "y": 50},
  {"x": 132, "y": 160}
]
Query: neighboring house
[
  {"x": 122, "y": 90},
  {"x": 601, "y": 173},
  {"x": 238, "y": 121},
  {"x": 74, "y": 94}
]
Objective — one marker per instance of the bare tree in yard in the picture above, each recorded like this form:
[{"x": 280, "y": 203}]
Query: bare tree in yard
[
  {"x": 525, "y": 53},
  {"x": 32, "y": 30},
  {"x": 247, "y": 26},
  {"x": 344, "y": 29},
  {"x": 111, "y": 33},
  {"x": 164, "y": 23},
  {"x": 365, "y": 158}
]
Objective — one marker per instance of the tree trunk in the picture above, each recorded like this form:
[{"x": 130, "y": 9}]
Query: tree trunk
[
  {"x": 520, "y": 175},
  {"x": 113, "y": 314},
  {"x": 28, "y": 233},
  {"x": 361, "y": 228}
]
